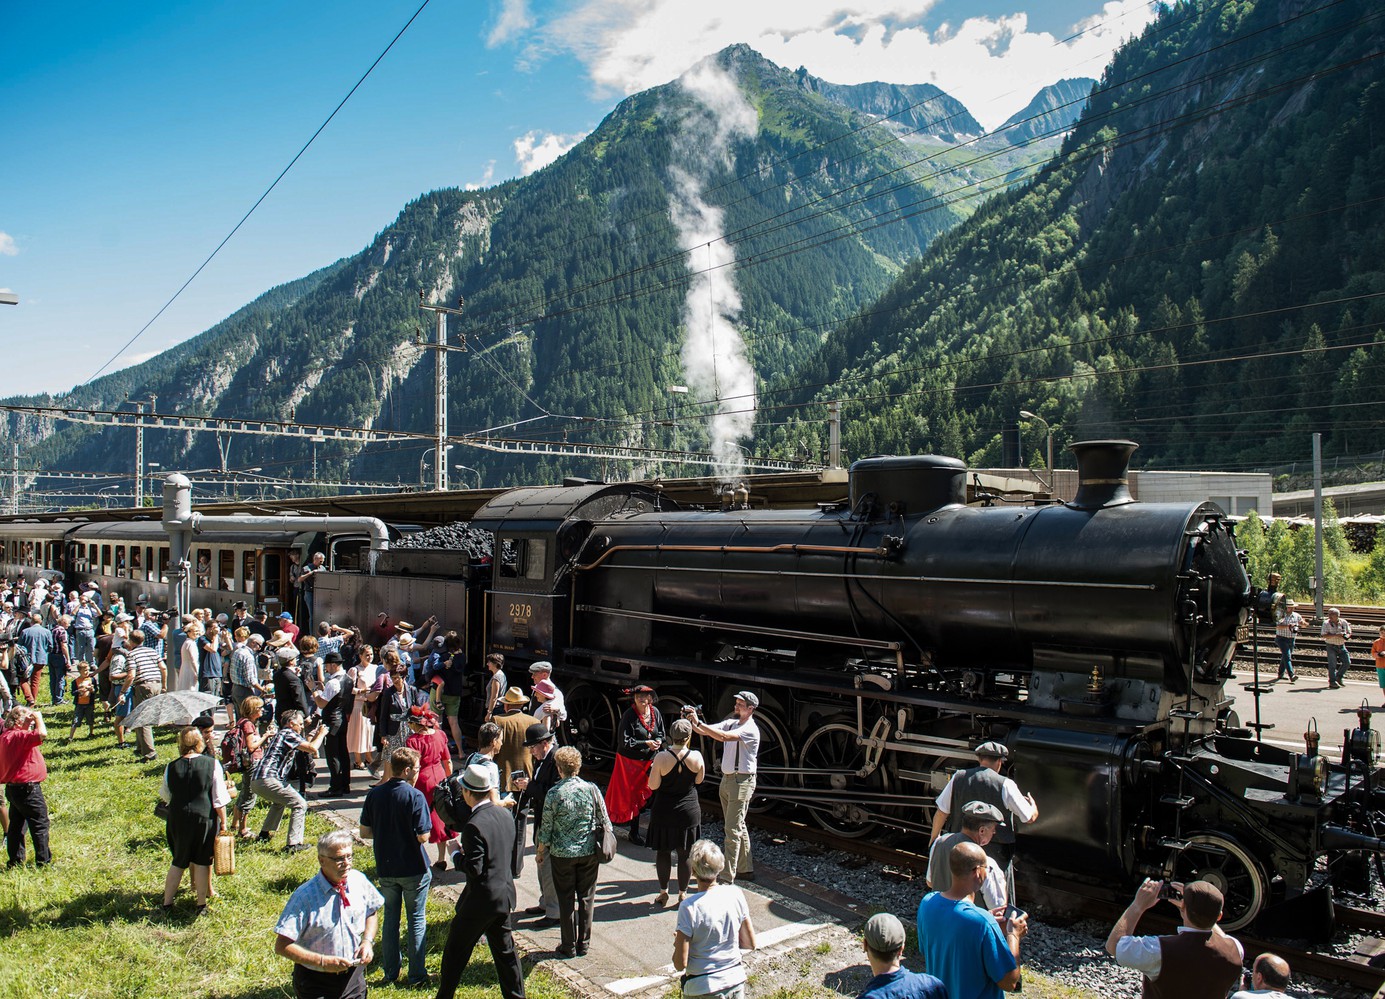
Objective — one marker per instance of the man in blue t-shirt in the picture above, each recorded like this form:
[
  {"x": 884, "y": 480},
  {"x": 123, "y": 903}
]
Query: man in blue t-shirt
[
  {"x": 395, "y": 815},
  {"x": 884, "y": 945},
  {"x": 964, "y": 945}
]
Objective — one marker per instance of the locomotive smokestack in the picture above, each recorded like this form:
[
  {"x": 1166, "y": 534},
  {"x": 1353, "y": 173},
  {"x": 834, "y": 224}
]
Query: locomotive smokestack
[{"x": 1102, "y": 474}]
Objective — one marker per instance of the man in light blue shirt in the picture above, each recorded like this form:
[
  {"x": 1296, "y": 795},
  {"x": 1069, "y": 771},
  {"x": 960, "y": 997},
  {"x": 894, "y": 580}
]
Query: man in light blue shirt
[{"x": 327, "y": 929}]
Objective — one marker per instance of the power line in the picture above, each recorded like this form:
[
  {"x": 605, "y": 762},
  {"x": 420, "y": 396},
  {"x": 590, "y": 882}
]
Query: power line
[{"x": 129, "y": 343}]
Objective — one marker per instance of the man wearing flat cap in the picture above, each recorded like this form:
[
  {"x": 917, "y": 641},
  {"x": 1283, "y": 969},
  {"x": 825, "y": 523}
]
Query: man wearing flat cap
[
  {"x": 488, "y": 840},
  {"x": 740, "y": 754},
  {"x": 884, "y": 947},
  {"x": 979, "y": 822},
  {"x": 983, "y": 782},
  {"x": 1198, "y": 962}
]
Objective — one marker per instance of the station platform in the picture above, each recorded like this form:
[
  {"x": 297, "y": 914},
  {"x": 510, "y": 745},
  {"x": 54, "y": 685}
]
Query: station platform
[{"x": 632, "y": 939}]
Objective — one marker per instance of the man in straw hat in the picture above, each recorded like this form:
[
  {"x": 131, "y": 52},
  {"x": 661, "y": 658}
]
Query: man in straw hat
[
  {"x": 514, "y": 722},
  {"x": 484, "y": 907},
  {"x": 983, "y": 782},
  {"x": 1199, "y": 962}
]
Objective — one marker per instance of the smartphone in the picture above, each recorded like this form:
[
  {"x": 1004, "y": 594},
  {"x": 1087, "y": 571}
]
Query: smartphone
[
  {"x": 1012, "y": 911},
  {"x": 1171, "y": 893}
]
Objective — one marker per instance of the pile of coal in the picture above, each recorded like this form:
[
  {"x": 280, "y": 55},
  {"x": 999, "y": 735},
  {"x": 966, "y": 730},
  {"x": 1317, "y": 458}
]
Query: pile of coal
[{"x": 456, "y": 536}]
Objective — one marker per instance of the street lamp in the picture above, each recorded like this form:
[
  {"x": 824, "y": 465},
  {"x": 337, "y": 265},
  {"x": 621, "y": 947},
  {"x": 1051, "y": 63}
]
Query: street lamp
[
  {"x": 1026, "y": 415},
  {"x": 153, "y": 467},
  {"x": 468, "y": 468},
  {"x": 423, "y": 458}
]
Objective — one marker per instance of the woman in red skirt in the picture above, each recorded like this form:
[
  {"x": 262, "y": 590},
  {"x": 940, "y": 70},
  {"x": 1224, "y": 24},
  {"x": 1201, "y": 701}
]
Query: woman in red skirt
[
  {"x": 434, "y": 766},
  {"x": 638, "y": 737}
]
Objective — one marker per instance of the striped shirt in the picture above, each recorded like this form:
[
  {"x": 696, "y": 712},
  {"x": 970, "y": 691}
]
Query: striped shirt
[
  {"x": 146, "y": 665},
  {"x": 278, "y": 755}
]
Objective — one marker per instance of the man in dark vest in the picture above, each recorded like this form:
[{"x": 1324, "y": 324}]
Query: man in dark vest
[
  {"x": 332, "y": 701},
  {"x": 532, "y": 793},
  {"x": 1199, "y": 962},
  {"x": 984, "y": 783}
]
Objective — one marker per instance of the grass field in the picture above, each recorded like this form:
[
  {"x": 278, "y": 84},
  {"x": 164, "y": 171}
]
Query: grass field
[{"x": 91, "y": 924}]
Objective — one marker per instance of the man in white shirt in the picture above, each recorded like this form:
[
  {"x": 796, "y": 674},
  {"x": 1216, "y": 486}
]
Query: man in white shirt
[
  {"x": 1336, "y": 630},
  {"x": 740, "y": 752},
  {"x": 1268, "y": 980},
  {"x": 983, "y": 782},
  {"x": 1199, "y": 962}
]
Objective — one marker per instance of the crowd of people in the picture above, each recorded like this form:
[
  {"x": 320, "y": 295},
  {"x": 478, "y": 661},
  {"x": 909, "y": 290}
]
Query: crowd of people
[{"x": 394, "y": 702}]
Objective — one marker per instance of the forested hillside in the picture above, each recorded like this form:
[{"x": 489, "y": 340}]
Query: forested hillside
[{"x": 1201, "y": 269}]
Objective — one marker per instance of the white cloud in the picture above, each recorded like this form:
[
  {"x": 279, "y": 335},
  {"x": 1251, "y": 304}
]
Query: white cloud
[
  {"x": 993, "y": 65},
  {"x": 514, "y": 18},
  {"x": 486, "y": 177},
  {"x": 535, "y": 150},
  {"x": 7, "y": 245}
]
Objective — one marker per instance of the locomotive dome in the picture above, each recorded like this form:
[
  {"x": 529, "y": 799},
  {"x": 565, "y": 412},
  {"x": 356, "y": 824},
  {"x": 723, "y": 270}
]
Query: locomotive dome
[{"x": 908, "y": 486}]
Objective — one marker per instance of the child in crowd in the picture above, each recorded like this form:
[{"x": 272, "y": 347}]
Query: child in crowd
[{"x": 83, "y": 701}]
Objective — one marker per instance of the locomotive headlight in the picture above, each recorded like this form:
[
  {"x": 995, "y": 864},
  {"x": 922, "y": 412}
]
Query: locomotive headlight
[
  {"x": 1307, "y": 776},
  {"x": 1364, "y": 744}
]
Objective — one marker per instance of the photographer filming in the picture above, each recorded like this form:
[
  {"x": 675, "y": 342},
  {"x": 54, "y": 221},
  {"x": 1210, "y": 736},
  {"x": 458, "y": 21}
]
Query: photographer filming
[{"x": 1199, "y": 962}]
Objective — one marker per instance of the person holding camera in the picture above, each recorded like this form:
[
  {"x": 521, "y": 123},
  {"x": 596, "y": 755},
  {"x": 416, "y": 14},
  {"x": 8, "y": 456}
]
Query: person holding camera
[
  {"x": 675, "y": 818},
  {"x": 973, "y": 952},
  {"x": 1199, "y": 962},
  {"x": 22, "y": 771},
  {"x": 1268, "y": 979},
  {"x": 272, "y": 776}
]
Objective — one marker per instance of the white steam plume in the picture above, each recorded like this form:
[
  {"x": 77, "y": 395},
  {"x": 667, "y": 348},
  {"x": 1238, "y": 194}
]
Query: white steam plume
[{"x": 715, "y": 364}]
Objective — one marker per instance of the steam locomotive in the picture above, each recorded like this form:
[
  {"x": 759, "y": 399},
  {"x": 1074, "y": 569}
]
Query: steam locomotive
[{"x": 891, "y": 632}]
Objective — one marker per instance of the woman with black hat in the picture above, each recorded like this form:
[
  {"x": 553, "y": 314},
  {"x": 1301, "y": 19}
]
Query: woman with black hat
[{"x": 639, "y": 736}]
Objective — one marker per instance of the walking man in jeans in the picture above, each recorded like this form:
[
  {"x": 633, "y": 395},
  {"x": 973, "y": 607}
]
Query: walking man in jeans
[
  {"x": 395, "y": 816},
  {"x": 1335, "y": 632},
  {"x": 740, "y": 753}
]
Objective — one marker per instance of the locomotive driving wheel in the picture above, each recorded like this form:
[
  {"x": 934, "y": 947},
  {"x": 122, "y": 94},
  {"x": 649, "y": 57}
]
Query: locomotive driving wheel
[
  {"x": 830, "y": 762},
  {"x": 776, "y": 756},
  {"x": 591, "y": 722},
  {"x": 1223, "y": 862}
]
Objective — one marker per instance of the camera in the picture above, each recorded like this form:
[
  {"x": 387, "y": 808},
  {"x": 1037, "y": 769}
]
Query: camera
[
  {"x": 1169, "y": 892},
  {"x": 691, "y": 709}
]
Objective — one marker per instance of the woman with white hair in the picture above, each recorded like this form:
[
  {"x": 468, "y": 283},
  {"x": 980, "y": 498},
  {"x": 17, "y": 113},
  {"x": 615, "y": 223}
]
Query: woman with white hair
[
  {"x": 186, "y": 677},
  {"x": 713, "y": 928}
]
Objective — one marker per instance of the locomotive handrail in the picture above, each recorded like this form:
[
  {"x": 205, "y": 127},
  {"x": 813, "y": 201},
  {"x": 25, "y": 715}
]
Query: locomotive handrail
[
  {"x": 753, "y": 629},
  {"x": 880, "y": 551}
]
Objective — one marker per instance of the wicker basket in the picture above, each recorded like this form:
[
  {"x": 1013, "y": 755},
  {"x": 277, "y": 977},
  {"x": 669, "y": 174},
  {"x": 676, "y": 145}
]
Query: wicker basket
[{"x": 224, "y": 855}]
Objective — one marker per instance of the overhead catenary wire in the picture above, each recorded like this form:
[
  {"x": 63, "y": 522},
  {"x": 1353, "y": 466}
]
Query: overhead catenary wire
[{"x": 260, "y": 200}]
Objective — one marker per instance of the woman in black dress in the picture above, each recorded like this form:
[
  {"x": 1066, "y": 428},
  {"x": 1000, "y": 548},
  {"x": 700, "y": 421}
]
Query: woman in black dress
[
  {"x": 675, "y": 820},
  {"x": 638, "y": 737},
  {"x": 190, "y": 786}
]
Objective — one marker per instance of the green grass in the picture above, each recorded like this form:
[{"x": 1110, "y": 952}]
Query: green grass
[{"x": 91, "y": 924}]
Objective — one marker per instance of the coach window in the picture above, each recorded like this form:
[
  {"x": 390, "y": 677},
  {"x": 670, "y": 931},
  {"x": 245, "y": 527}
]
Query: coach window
[
  {"x": 204, "y": 566},
  {"x": 105, "y": 560},
  {"x": 120, "y": 560},
  {"x": 163, "y": 565},
  {"x": 248, "y": 561},
  {"x": 136, "y": 562},
  {"x": 149, "y": 563},
  {"x": 226, "y": 571}
]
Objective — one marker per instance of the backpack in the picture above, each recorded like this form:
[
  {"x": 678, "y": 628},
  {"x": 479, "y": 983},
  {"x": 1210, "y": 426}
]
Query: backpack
[
  {"x": 235, "y": 753},
  {"x": 449, "y": 803}
]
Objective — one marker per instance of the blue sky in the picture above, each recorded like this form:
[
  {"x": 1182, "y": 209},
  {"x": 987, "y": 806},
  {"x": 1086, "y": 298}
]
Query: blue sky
[{"x": 137, "y": 134}]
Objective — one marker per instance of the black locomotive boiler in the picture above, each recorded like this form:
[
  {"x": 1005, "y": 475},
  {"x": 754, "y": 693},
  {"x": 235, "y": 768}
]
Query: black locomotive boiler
[{"x": 893, "y": 631}]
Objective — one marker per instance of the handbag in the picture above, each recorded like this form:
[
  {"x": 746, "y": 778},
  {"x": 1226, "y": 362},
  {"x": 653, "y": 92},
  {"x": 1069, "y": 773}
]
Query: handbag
[
  {"x": 224, "y": 855},
  {"x": 604, "y": 833},
  {"x": 161, "y": 810}
]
